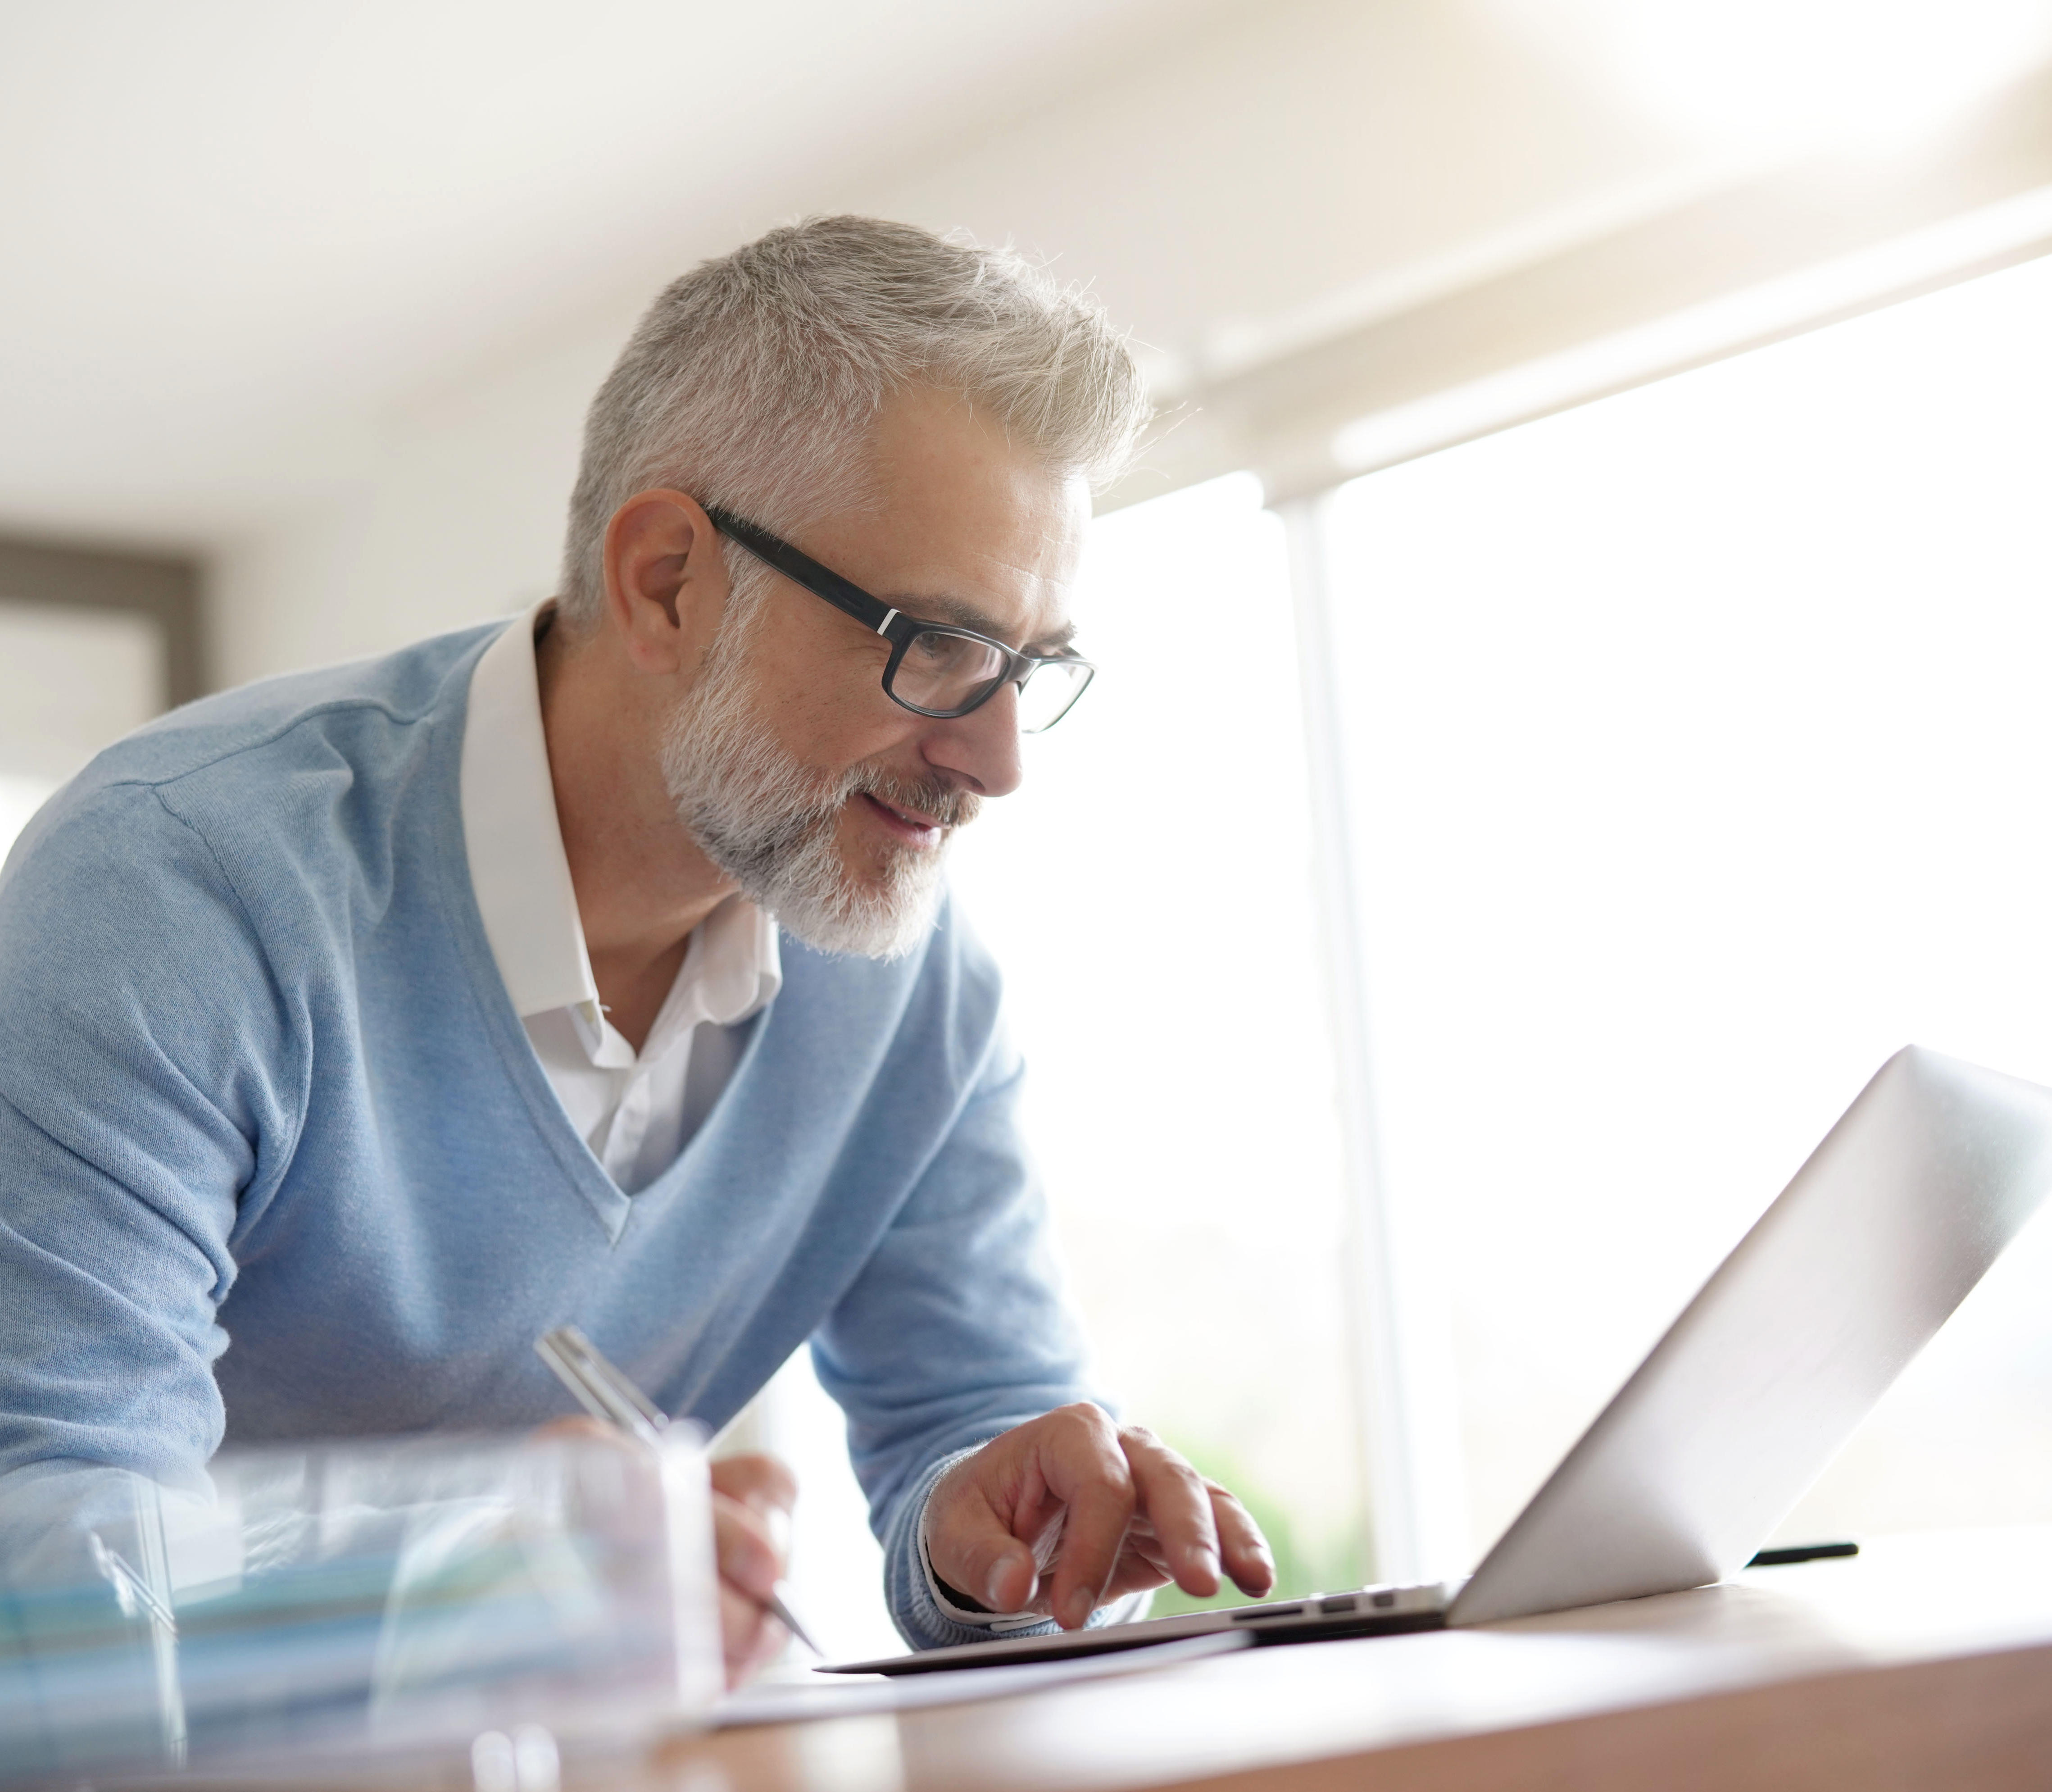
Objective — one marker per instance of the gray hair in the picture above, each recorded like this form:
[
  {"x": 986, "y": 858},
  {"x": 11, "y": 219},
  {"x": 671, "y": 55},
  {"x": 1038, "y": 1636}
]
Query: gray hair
[{"x": 754, "y": 382}]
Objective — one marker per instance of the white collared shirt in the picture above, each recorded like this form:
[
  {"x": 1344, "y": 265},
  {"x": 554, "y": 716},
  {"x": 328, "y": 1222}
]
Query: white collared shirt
[{"x": 637, "y": 1111}]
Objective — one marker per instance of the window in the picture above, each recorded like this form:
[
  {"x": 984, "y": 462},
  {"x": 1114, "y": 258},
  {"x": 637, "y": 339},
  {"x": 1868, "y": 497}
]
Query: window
[
  {"x": 1698, "y": 749},
  {"x": 71, "y": 681}
]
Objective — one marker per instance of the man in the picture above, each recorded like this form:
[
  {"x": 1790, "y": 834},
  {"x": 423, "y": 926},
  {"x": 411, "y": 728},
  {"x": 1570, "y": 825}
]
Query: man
[{"x": 358, "y": 1026}]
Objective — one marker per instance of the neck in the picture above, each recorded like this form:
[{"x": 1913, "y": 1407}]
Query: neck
[{"x": 642, "y": 883}]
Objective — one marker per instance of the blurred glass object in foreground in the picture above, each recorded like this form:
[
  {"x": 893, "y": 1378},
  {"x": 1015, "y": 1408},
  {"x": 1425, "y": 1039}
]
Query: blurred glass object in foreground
[{"x": 353, "y": 1596}]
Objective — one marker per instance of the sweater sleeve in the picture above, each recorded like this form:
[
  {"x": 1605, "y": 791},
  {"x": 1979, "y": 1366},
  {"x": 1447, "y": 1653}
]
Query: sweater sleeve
[
  {"x": 956, "y": 1330},
  {"x": 142, "y": 1053}
]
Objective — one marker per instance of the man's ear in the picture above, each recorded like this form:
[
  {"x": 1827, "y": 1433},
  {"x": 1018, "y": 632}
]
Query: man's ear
[{"x": 666, "y": 586}]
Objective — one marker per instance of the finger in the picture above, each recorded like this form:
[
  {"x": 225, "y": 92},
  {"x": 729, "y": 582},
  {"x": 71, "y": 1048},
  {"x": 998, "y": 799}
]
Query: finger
[
  {"x": 1144, "y": 1551},
  {"x": 749, "y": 1637},
  {"x": 1087, "y": 1470},
  {"x": 1092, "y": 1542},
  {"x": 747, "y": 1555},
  {"x": 756, "y": 1480},
  {"x": 972, "y": 1549},
  {"x": 1246, "y": 1552},
  {"x": 1178, "y": 1506},
  {"x": 1140, "y": 1569},
  {"x": 766, "y": 1487}
]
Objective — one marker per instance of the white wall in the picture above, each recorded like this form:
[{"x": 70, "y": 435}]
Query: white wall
[{"x": 459, "y": 516}]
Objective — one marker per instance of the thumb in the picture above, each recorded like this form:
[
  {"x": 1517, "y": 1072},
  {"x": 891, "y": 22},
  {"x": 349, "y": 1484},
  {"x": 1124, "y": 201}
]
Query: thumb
[{"x": 972, "y": 1551}]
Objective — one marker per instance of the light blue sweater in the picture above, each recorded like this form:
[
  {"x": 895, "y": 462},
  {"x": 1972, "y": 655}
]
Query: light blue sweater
[{"x": 278, "y": 1162}]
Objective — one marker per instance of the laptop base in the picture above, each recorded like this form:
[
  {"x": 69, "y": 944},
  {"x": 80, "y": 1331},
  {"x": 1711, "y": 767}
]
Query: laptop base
[{"x": 1315, "y": 1619}]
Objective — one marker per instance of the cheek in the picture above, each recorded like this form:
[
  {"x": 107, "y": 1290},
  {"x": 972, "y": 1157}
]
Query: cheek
[
  {"x": 828, "y": 713},
  {"x": 831, "y": 731}
]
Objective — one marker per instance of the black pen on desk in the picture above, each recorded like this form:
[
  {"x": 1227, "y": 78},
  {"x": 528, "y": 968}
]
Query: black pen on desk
[{"x": 609, "y": 1397}]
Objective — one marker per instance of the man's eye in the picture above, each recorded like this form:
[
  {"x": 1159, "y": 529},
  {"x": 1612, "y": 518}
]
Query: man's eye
[{"x": 942, "y": 653}]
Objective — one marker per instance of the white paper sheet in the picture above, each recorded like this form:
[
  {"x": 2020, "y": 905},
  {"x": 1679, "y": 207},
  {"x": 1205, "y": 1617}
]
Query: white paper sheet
[{"x": 846, "y": 1696}]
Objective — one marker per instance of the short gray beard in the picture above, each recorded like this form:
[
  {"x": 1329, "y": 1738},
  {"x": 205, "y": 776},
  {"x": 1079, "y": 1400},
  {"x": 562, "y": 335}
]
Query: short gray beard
[{"x": 771, "y": 824}]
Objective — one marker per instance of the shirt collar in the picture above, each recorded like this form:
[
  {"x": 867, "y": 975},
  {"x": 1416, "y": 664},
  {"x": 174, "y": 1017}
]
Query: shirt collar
[{"x": 521, "y": 876}]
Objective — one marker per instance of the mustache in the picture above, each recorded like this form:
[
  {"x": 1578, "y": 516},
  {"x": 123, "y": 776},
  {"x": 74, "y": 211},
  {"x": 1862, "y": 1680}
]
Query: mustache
[{"x": 948, "y": 805}]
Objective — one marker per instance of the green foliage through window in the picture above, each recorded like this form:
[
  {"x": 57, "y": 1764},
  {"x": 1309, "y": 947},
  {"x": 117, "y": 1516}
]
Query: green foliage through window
[{"x": 1303, "y": 1565}]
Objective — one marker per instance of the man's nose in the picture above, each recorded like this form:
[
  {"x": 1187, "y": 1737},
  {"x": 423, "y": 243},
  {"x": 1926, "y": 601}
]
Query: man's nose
[{"x": 982, "y": 748}]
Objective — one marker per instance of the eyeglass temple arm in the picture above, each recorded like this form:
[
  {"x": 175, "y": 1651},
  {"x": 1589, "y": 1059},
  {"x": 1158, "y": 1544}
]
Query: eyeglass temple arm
[{"x": 822, "y": 581}]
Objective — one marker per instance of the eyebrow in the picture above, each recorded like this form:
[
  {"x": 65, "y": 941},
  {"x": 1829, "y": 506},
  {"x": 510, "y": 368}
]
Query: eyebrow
[{"x": 964, "y": 615}]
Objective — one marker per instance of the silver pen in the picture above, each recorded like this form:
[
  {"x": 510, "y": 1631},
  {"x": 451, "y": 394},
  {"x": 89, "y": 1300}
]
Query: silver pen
[{"x": 610, "y": 1398}]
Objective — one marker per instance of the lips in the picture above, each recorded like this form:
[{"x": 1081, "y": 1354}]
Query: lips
[
  {"x": 912, "y": 817},
  {"x": 911, "y": 825}
]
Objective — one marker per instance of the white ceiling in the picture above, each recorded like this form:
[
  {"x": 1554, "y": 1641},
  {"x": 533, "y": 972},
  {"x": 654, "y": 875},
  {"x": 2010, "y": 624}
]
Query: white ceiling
[
  {"x": 220, "y": 218},
  {"x": 236, "y": 234}
]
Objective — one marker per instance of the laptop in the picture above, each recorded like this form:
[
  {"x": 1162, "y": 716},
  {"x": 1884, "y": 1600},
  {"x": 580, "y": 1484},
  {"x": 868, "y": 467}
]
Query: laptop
[{"x": 1741, "y": 1405}]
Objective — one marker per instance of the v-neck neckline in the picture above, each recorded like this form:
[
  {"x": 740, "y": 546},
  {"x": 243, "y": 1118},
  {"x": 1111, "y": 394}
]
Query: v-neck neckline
[{"x": 610, "y": 1204}]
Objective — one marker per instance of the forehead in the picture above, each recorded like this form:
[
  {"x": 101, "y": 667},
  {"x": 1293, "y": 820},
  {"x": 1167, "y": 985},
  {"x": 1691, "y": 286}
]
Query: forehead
[{"x": 966, "y": 525}]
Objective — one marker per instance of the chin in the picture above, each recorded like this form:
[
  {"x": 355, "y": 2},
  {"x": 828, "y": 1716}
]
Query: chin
[
  {"x": 879, "y": 908},
  {"x": 838, "y": 889}
]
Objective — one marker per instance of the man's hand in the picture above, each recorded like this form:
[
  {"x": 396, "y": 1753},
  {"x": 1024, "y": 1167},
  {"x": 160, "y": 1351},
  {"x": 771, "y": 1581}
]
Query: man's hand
[
  {"x": 1070, "y": 1510},
  {"x": 752, "y": 1497}
]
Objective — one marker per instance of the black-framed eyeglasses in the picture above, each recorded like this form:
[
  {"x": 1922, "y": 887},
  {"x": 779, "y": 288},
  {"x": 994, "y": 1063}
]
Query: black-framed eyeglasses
[{"x": 935, "y": 668}]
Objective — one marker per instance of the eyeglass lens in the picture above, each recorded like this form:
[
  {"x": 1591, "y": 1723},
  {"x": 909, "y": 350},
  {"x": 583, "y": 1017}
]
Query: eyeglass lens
[
  {"x": 946, "y": 674},
  {"x": 1054, "y": 685}
]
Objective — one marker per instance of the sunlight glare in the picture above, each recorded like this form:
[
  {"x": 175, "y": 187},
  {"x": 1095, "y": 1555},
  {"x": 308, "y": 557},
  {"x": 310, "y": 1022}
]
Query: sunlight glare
[{"x": 1798, "y": 74}]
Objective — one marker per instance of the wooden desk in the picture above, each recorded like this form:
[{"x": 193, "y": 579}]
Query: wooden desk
[{"x": 1926, "y": 1662}]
